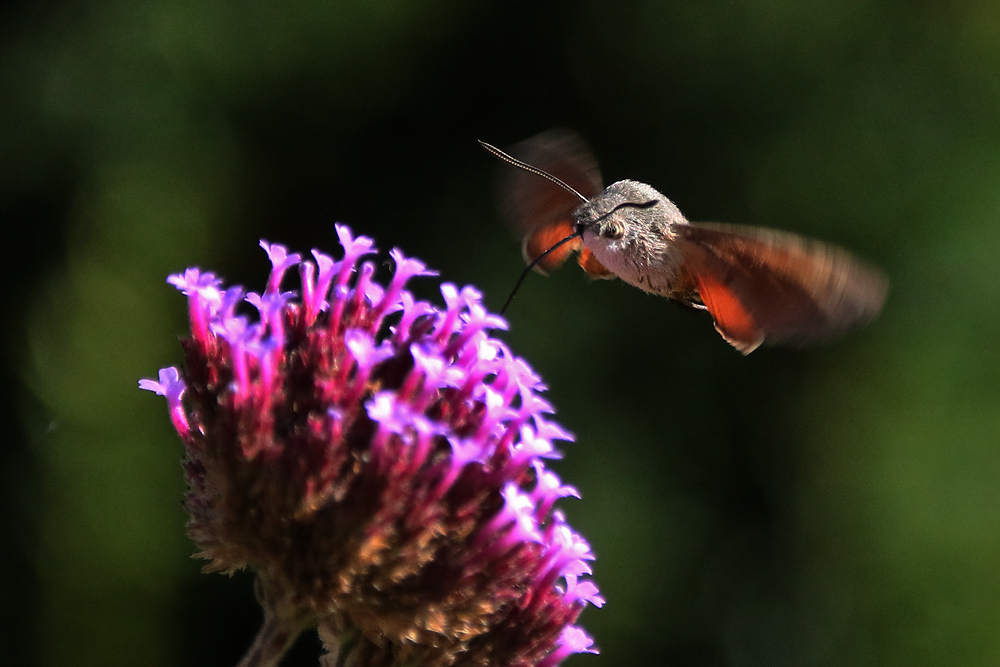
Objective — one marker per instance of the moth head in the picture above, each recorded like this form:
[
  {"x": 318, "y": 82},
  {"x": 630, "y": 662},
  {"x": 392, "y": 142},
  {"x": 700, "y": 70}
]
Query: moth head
[{"x": 624, "y": 212}]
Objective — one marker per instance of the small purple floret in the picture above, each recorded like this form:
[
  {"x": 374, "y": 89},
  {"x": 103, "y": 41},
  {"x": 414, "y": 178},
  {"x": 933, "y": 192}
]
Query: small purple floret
[{"x": 171, "y": 386}]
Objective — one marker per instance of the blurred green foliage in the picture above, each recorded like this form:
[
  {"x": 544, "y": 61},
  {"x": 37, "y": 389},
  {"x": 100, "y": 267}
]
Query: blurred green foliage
[{"x": 834, "y": 506}]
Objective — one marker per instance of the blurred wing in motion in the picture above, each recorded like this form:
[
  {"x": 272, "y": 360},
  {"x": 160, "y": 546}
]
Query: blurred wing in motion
[
  {"x": 762, "y": 285},
  {"x": 541, "y": 211}
]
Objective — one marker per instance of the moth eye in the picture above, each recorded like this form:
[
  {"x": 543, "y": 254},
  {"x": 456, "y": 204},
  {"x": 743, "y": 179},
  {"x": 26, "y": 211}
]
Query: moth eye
[{"x": 614, "y": 230}]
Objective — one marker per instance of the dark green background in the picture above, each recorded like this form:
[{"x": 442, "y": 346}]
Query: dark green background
[{"x": 834, "y": 506}]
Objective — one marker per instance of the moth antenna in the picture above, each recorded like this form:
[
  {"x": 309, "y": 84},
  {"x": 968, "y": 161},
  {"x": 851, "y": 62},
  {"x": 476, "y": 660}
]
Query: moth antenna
[
  {"x": 527, "y": 269},
  {"x": 532, "y": 170},
  {"x": 628, "y": 204}
]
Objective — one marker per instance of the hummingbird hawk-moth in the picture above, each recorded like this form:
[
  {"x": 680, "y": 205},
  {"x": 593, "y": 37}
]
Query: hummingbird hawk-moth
[{"x": 759, "y": 285}]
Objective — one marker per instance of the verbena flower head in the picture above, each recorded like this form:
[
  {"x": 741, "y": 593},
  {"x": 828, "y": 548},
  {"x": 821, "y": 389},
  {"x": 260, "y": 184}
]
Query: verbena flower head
[{"x": 379, "y": 463}]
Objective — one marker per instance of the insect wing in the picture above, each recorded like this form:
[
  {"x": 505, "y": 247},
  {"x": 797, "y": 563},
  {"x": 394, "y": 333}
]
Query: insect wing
[
  {"x": 764, "y": 285},
  {"x": 541, "y": 211}
]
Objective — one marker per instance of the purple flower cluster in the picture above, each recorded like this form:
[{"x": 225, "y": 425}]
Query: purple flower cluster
[{"x": 379, "y": 464}]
